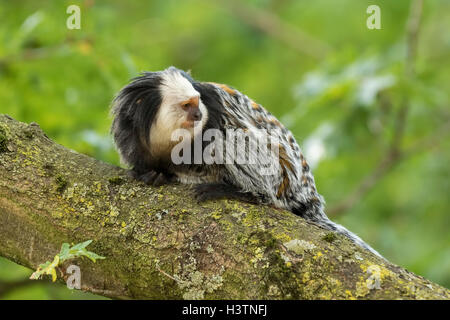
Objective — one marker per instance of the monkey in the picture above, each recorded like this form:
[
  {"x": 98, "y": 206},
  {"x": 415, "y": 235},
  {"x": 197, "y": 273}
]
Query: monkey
[{"x": 148, "y": 110}]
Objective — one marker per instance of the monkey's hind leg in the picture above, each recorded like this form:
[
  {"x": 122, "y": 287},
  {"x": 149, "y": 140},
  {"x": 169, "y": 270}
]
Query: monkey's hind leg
[{"x": 214, "y": 191}]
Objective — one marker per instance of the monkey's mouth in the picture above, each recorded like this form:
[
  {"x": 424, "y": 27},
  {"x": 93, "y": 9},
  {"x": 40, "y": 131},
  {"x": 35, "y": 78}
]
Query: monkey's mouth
[{"x": 189, "y": 124}]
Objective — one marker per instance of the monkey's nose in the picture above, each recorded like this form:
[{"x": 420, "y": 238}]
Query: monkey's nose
[{"x": 196, "y": 115}]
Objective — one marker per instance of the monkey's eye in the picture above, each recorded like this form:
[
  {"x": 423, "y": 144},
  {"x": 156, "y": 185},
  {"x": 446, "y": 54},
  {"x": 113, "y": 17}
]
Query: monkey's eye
[{"x": 185, "y": 106}]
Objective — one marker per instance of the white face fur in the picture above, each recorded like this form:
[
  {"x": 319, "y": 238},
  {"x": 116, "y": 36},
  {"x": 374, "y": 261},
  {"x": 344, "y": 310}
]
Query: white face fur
[{"x": 175, "y": 91}]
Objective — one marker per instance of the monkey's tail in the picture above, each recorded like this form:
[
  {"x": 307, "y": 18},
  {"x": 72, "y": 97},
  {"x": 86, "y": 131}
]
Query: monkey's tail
[
  {"x": 321, "y": 219},
  {"x": 330, "y": 225}
]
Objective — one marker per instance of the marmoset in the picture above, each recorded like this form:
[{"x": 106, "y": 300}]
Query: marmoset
[{"x": 155, "y": 105}]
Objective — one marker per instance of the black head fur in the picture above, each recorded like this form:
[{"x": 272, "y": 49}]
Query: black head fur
[
  {"x": 212, "y": 102},
  {"x": 134, "y": 110}
]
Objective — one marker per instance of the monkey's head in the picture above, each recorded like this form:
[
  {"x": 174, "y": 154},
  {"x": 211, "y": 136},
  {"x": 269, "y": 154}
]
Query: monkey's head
[{"x": 151, "y": 107}]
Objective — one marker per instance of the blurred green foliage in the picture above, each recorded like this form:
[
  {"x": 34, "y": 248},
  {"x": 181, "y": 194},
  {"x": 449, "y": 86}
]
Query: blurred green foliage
[{"x": 342, "y": 108}]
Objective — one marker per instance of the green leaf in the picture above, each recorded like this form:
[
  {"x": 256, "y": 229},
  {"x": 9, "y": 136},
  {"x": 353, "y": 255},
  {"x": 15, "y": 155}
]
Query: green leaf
[
  {"x": 66, "y": 253},
  {"x": 82, "y": 245}
]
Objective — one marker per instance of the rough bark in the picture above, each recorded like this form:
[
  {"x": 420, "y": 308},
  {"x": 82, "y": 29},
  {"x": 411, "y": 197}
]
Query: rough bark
[{"x": 160, "y": 244}]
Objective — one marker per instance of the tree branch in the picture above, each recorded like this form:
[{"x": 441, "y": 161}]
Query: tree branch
[
  {"x": 160, "y": 244},
  {"x": 274, "y": 27},
  {"x": 394, "y": 154}
]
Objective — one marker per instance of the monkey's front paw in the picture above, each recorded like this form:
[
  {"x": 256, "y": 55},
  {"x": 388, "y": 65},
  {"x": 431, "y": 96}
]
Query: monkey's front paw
[{"x": 153, "y": 178}]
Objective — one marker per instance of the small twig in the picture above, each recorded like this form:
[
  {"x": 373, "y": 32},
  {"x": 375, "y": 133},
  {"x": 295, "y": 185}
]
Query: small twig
[
  {"x": 30, "y": 54},
  {"x": 399, "y": 130},
  {"x": 412, "y": 31},
  {"x": 169, "y": 276},
  {"x": 386, "y": 165},
  {"x": 428, "y": 142},
  {"x": 393, "y": 154},
  {"x": 273, "y": 26}
]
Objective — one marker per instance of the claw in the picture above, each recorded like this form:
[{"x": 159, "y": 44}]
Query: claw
[
  {"x": 159, "y": 180},
  {"x": 151, "y": 178},
  {"x": 148, "y": 177}
]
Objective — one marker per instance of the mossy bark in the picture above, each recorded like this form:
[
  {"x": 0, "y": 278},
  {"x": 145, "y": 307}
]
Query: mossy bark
[{"x": 161, "y": 244}]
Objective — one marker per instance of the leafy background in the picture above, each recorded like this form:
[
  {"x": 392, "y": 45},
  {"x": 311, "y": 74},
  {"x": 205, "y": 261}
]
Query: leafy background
[{"x": 342, "y": 90}]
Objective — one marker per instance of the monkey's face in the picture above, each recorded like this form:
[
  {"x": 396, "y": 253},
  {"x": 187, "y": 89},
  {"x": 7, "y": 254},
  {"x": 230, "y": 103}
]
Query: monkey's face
[{"x": 181, "y": 108}]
